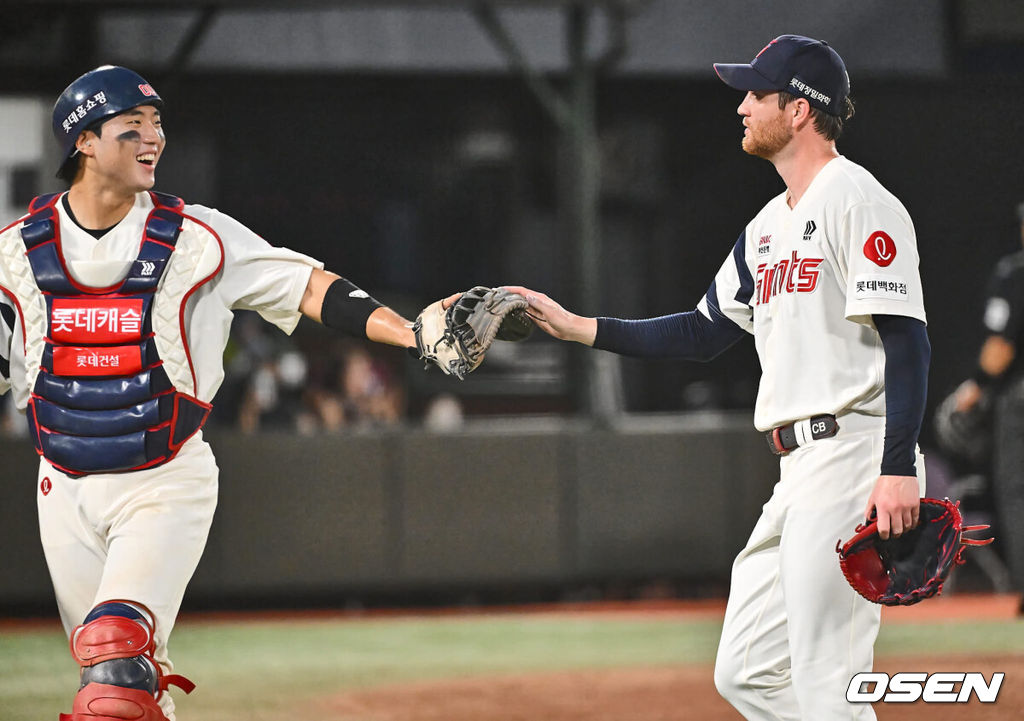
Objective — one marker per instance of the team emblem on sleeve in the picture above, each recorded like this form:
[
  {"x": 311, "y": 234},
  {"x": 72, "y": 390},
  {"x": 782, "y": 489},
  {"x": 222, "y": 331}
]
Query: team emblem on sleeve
[{"x": 880, "y": 249}]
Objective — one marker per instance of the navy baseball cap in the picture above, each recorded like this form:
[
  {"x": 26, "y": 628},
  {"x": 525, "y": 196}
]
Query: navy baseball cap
[{"x": 801, "y": 66}]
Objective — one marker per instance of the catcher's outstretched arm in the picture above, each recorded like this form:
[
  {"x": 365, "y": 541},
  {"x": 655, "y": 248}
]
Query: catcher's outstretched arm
[{"x": 338, "y": 304}]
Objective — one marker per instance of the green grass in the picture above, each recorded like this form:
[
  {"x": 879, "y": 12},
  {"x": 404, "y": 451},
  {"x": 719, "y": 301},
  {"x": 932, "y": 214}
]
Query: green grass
[
  {"x": 951, "y": 637},
  {"x": 260, "y": 670}
]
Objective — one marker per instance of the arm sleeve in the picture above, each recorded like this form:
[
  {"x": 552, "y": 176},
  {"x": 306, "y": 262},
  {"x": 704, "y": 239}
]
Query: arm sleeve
[
  {"x": 907, "y": 354},
  {"x": 719, "y": 320},
  {"x": 692, "y": 336}
]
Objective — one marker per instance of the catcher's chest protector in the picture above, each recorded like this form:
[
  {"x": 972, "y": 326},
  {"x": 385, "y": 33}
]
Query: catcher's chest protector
[{"x": 102, "y": 400}]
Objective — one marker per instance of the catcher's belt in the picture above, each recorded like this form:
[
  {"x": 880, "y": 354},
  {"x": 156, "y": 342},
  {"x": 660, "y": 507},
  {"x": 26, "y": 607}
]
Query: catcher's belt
[{"x": 783, "y": 439}]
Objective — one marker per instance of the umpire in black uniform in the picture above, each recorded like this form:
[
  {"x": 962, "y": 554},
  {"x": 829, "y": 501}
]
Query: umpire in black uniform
[{"x": 1000, "y": 377}]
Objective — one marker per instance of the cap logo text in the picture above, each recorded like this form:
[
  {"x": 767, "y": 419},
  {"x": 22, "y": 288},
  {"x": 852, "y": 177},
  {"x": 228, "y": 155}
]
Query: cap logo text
[
  {"x": 82, "y": 110},
  {"x": 810, "y": 92}
]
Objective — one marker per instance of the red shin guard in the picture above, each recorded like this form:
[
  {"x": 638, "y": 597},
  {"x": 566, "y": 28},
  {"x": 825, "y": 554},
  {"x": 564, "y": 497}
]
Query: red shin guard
[
  {"x": 118, "y": 649},
  {"x": 100, "y": 702}
]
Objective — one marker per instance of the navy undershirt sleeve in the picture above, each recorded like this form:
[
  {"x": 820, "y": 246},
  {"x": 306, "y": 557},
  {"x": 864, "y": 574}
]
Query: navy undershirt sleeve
[
  {"x": 691, "y": 336},
  {"x": 907, "y": 354}
]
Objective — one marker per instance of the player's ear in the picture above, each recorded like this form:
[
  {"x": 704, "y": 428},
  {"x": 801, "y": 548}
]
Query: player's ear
[
  {"x": 84, "y": 142},
  {"x": 800, "y": 112}
]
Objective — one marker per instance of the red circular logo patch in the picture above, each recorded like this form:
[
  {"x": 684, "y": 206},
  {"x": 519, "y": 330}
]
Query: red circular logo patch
[
  {"x": 880, "y": 248},
  {"x": 45, "y": 485}
]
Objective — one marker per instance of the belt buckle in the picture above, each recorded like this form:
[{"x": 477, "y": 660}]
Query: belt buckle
[{"x": 774, "y": 439}]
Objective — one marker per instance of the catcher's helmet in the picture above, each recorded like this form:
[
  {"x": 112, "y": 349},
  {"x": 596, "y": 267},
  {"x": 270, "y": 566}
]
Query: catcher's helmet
[{"x": 100, "y": 93}]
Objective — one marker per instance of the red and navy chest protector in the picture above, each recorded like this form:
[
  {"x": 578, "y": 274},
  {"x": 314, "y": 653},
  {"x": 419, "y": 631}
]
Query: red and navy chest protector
[{"x": 102, "y": 401}]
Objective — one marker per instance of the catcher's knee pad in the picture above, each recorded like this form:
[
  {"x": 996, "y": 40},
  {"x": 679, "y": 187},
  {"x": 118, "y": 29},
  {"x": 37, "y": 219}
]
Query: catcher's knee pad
[{"x": 120, "y": 678}]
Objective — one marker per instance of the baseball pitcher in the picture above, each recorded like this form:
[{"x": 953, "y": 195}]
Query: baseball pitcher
[{"x": 826, "y": 279}]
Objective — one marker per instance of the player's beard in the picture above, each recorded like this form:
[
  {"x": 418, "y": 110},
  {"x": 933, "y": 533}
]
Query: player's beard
[{"x": 765, "y": 141}]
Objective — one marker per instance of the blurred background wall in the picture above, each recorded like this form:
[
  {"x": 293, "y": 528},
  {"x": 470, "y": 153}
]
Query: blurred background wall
[{"x": 394, "y": 141}]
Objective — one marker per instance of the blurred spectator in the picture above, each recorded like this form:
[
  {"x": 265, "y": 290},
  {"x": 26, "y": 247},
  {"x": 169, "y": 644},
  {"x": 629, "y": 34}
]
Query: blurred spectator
[
  {"x": 271, "y": 384},
  {"x": 265, "y": 377},
  {"x": 443, "y": 414},
  {"x": 358, "y": 391},
  {"x": 999, "y": 380}
]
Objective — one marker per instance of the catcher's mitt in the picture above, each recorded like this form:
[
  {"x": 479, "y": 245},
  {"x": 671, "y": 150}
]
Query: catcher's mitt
[
  {"x": 456, "y": 339},
  {"x": 911, "y": 568}
]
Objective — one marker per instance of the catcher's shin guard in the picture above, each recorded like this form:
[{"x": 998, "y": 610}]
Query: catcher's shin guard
[
  {"x": 101, "y": 702},
  {"x": 120, "y": 679}
]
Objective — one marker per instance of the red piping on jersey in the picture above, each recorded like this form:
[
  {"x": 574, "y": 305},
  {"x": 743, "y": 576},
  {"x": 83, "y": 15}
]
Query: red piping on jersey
[
  {"x": 37, "y": 442},
  {"x": 22, "y": 219},
  {"x": 197, "y": 286}
]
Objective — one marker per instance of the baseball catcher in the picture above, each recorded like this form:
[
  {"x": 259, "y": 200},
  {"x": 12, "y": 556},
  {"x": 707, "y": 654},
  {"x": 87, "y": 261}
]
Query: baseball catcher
[
  {"x": 117, "y": 380},
  {"x": 457, "y": 339},
  {"x": 900, "y": 571}
]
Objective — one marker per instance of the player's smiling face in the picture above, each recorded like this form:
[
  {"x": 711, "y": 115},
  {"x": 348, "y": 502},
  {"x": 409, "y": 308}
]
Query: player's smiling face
[
  {"x": 129, "y": 148},
  {"x": 767, "y": 130}
]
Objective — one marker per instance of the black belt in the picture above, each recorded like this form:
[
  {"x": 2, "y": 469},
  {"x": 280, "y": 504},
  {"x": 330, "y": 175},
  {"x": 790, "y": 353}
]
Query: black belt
[{"x": 785, "y": 438}]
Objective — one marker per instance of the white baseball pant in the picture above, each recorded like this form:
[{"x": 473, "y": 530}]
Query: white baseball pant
[
  {"x": 134, "y": 536},
  {"x": 795, "y": 632}
]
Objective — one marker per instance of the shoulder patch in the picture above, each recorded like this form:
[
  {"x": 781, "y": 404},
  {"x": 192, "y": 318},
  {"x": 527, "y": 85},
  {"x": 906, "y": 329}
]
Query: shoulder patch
[
  {"x": 880, "y": 286},
  {"x": 880, "y": 249}
]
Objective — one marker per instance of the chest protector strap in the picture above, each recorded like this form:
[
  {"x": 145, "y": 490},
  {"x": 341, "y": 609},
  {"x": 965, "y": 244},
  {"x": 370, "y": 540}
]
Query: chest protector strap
[{"x": 102, "y": 402}]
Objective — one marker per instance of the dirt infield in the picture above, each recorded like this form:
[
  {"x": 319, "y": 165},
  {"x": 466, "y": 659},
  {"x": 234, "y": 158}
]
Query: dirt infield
[
  {"x": 672, "y": 694},
  {"x": 659, "y": 694}
]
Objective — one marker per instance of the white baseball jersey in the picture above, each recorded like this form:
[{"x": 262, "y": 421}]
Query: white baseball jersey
[
  {"x": 256, "y": 276},
  {"x": 805, "y": 282}
]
